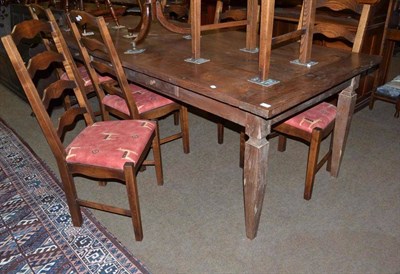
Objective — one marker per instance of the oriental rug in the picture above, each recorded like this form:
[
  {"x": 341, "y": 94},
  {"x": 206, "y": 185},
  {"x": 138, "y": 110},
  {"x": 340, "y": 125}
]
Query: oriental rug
[{"x": 36, "y": 233}]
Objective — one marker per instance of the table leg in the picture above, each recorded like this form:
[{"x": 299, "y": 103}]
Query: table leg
[
  {"x": 255, "y": 172},
  {"x": 345, "y": 110}
]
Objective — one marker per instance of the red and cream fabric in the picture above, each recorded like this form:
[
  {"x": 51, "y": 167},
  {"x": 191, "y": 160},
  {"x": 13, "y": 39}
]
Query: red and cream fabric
[
  {"x": 145, "y": 100},
  {"x": 111, "y": 143},
  {"x": 319, "y": 116},
  {"x": 85, "y": 77}
]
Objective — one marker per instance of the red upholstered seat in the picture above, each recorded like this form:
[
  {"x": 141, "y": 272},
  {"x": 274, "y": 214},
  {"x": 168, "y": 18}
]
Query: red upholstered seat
[
  {"x": 145, "y": 100},
  {"x": 319, "y": 116},
  {"x": 85, "y": 77},
  {"x": 111, "y": 143}
]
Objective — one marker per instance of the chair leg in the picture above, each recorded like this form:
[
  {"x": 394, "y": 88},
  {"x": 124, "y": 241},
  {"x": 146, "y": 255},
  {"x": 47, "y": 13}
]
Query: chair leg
[
  {"x": 220, "y": 126},
  {"x": 371, "y": 101},
  {"x": 396, "y": 114},
  {"x": 176, "y": 118},
  {"x": 329, "y": 160},
  {"x": 113, "y": 14},
  {"x": 70, "y": 193},
  {"x": 184, "y": 117},
  {"x": 133, "y": 197},
  {"x": 312, "y": 162},
  {"x": 242, "y": 146},
  {"x": 106, "y": 115},
  {"x": 102, "y": 183},
  {"x": 281, "y": 143},
  {"x": 157, "y": 158}
]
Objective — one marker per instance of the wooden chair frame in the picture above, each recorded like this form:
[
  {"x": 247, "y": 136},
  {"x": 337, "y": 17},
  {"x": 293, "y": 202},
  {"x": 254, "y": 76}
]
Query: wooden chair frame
[
  {"x": 59, "y": 54},
  {"x": 315, "y": 138},
  {"x": 390, "y": 36}
]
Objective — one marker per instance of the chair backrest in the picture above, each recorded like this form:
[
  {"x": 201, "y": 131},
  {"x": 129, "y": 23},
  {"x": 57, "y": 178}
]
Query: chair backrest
[
  {"x": 37, "y": 12},
  {"x": 234, "y": 14},
  {"x": 38, "y": 65},
  {"x": 40, "y": 13},
  {"x": 351, "y": 28},
  {"x": 101, "y": 43}
]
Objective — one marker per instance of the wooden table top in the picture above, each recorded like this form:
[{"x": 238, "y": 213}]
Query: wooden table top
[{"x": 225, "y": 77}]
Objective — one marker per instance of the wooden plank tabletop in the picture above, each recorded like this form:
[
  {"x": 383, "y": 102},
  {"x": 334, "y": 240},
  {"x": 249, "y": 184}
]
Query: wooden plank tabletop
[{"x": 225, "y": 77}]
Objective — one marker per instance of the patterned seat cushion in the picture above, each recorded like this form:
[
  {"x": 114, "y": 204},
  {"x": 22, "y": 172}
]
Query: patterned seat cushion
[
  {"x": 390, "y": 89},
  {"x": 85, "y": 77},
  {"x": 319, "y": 116},
  {"x": 111, "y": 143},
  {"x": 145, "y": 100}
]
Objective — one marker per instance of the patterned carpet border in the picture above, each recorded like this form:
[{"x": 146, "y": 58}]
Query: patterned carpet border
[{"x": 36, "y": 233}]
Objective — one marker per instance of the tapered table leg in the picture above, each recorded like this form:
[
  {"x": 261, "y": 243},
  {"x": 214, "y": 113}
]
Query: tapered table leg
[
  {"x": 345, "y": 110},
  {"x": 255, "y": 172}
]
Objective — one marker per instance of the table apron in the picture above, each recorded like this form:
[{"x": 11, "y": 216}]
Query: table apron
[
  {"x": 216, "y": 107},
  {"x": 189, "y": 97},
  {"x": 310, "y": 102}
]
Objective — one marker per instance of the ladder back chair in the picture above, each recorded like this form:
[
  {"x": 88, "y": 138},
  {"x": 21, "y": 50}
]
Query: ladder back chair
[
  {"x": 390, "y": 91},
  {"x": 40, "y": 13},
  {"x": 103, "y": 151},
  {"x": 317, "y": 123},
  {"x": 120, "y": 98}
]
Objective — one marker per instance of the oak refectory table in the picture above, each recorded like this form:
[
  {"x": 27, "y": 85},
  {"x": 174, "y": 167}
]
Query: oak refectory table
[{"x": 223, "y": 87}]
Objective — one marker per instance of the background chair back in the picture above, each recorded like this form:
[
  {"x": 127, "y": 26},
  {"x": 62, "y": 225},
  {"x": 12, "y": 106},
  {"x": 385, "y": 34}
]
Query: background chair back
[
  {"x": 101, "y": 43},
  {"x": 331, "y": 26},
  {"x": 44, "y": 61}
]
